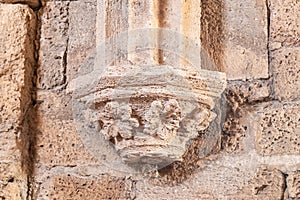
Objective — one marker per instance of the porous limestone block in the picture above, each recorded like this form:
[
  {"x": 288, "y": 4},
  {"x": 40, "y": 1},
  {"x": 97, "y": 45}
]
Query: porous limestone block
[
  {"x": 212, "y": 27},
  {"x": 59, "y": 144},
  {"x": 268, "y": 183},
  {"x": 31, "y": 3},
  {"x": 54, "y": 17},
  {"x": 17, "y": 62},
  {"x": 75, "y": 187},
  {"x": 277, "y": 129},
  {"x": 54, "y": 105},
  {"x": 245, "y": 39},
  {"x": 17, "y": 35},
  {"x": 284, "y": 23},
  {"x": 293, "y": 185},
  {"x": 286, "y": 70}
]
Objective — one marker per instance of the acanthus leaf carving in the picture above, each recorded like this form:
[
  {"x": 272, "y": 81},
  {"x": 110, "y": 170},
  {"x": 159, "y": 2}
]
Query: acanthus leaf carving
[
  {"x": 117, "y": 121},
  {"x": 162, "y": 119}
]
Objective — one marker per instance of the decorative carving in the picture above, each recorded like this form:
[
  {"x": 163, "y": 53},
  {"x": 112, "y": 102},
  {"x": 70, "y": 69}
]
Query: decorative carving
[
  {"x": 151, "y": 113},
  {"x": 162, "y": 120},
  {"x": 117, "y": 122}
]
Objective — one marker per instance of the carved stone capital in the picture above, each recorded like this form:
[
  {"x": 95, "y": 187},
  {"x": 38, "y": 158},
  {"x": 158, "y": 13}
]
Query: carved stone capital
[{"x": 150, "y": 113}]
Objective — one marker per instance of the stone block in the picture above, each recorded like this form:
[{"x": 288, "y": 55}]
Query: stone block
[
  {"x": 54, "y": 105},
  {"x": 31, "y": 3},
  {"x": 60, "y": 145},
  {"x": 284, "y": 23},
  {"x": 293, "y": 185},
  {"x": 17, "y": 61},
  {"x": 268, "y": 183},
  {"x": 74, "y": 187},
  {"x": 245, "y": 39},
  {"x": 54, "y": 17},
  {"x": 17, "y": 38},
  {"x": 286, "y": 71},
  {"x": 277, "y": 130}
]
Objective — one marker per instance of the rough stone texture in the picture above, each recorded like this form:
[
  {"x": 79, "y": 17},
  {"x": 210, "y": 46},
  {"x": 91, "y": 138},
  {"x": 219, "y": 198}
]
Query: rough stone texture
[
  {"x": 286, "y": 71},
  {"x": 16, "y": 69},
  {"x": 54, "y": 105},
  {"x": 54, "y": 22},
  {"x": 59, "y": 144},
  {"x": 268, "y": 183},
  {"x": 31, "y": 3},
  {"x": 284, "y": 23},
  {"x": 258, "y": 130},
  {"x": 277, "y": 130},
  {"x": 76, "y": 187},
  {"x": 82, "y": 37},
  {"x": 156, "y": 126},
  {"x": 240, "y": 94},
  {"x": 245, "y": 39},
  {"x": 293, "y": 185},
  {"x": 212, "y": 30}
]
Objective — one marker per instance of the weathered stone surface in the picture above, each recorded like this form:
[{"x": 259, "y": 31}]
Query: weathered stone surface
[
  {"x": 60, "y": 145},
  {"x": 31, "y": 3},
  {"x": 54, "y": 17},
  {"x": 284, "y": 23},
  {"x": 247, "y": 92},
  {"x": 82, "y": 37},
  {"x": 240, "y": 94},
  {"x": 16, "y": 69},
  {"x": 17, "y": 64},
  {"x": 268, "y": 183},
  {"x": 75, "y": 187},
  {"x": 149, "y": 113},
  {"x": 286, "y": 72},
  {"x": 293, "y": 185},
  {"x": 13, "y": 183},
  {"x": 212, "y": 30},
  {"x": 245, "y": 39},
  {"x": 277, "y": 131},
  {"x": 54, "y": 105}
]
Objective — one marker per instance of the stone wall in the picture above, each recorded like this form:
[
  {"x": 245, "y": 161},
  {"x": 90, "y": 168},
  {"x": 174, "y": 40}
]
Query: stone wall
[{"x": 43, "y": 46}]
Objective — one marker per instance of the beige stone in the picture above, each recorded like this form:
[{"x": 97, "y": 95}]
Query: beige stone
[
  {"x": 244, "y": 92},
  {"x": 245, "y": 39},
  {"x": 17, "y": 64},
  {"x": 277, "y": 129},
  {"x": 239, "y": 94},
  {"x": 150, "y": 114},
  {"x": 284, "y": 22},
  {"x": 31, "y": 3},
  {"x": 212, "y": 30},
  {"x": 286, "y": 72},
  {"x": 54, "y": 105},
  {"x": 268, "y": 183},
  {"x": 59, "y": 144},
  {"x": 54, "y": 19},
  {"x": 293, "y": 185},
  {"x": 17, "y": 38},
  {"x": 76, "y": 187},
  {"x": 82, "y": 37}
]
